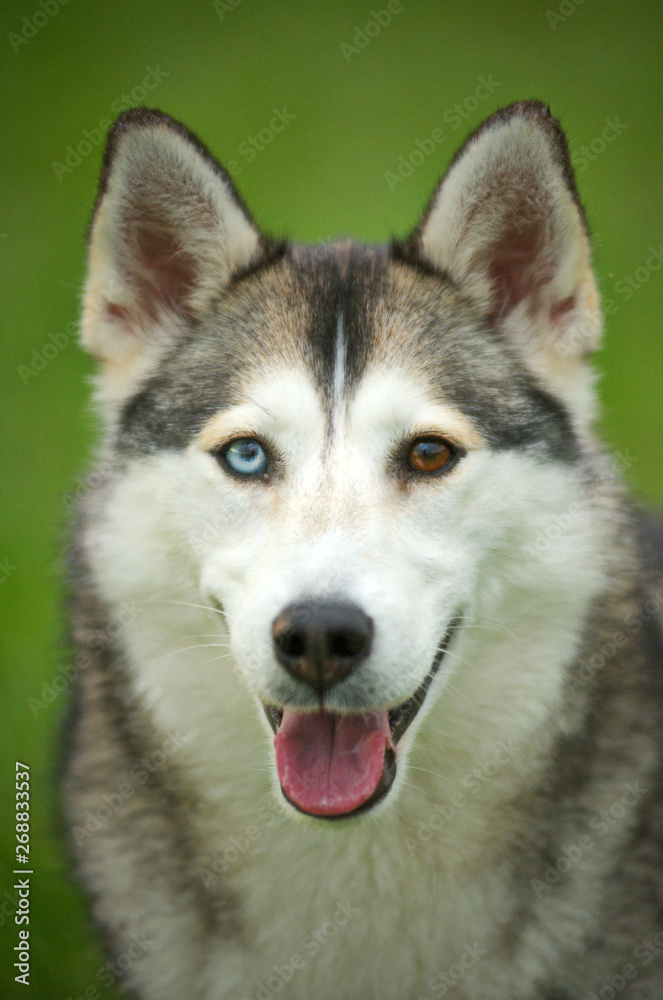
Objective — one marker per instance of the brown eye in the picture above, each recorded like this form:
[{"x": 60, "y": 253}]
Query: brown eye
[{"x": 430, "y": 455}]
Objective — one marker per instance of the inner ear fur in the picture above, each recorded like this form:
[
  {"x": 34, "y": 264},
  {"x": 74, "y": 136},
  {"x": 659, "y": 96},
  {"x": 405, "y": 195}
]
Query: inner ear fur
[
  {"x": 507, "y": 226},
  {"x": 168, "y": 234}
]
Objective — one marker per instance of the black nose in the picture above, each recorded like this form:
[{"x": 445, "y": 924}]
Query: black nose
[{"x": 321, "y": 642}]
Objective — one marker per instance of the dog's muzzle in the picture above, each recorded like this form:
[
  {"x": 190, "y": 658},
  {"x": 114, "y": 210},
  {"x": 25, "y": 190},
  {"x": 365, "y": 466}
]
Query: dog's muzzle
[{"x": 334, "y": 765}]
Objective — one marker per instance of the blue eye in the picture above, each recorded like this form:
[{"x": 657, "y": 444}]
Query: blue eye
[{"x": 245, "y": 457}]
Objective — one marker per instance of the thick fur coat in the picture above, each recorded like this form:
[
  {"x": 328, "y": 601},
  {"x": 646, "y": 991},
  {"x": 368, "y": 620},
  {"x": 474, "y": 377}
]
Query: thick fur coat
[{"x": 512, "y": 847}]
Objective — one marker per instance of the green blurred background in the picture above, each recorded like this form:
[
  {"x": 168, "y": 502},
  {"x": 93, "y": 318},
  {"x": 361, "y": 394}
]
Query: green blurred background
[{"x": 355, "y": 111}]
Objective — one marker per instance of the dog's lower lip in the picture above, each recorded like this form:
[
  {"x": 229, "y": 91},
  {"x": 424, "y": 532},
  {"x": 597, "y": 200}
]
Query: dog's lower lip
[{"x": 403, "y": 715}]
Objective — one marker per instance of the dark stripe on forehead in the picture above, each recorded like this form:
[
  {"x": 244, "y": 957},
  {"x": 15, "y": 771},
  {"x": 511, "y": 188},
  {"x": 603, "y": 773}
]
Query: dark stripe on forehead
[
  {"x": 204, "y": 372},
  {"x": 393, "y": 314},
  {"x": 346, "y": 283}
]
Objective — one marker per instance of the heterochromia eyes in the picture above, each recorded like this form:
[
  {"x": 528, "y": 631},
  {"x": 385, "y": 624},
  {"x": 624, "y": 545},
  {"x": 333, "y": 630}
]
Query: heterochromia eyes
[
  {"x": 245, "y": 457},
  {"x": 429, "y": 455}
]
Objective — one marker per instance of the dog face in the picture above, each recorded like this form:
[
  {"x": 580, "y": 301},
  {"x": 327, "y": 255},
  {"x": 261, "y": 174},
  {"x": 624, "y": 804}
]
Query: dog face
[{"x": 348, "y": 453}]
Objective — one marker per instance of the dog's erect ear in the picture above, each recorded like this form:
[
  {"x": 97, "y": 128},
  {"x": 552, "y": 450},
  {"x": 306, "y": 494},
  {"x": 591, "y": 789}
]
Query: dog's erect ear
[
  {"x": 506, "y": 225},
  {"x": 168, "y": 233}
]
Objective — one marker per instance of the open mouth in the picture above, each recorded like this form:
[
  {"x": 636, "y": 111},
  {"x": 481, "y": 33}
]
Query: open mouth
[{"x": 335, "y": 766}]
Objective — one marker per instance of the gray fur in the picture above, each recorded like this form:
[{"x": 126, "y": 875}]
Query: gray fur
[
  {"x": 141, "y": 865},
  {"x": 448, "y": 342}
]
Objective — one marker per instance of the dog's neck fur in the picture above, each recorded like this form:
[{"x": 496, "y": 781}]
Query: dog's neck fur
[{"x": 472, "y": 762}]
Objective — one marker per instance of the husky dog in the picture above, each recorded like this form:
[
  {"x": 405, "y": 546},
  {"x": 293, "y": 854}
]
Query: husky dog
[{"x": 369, "y": 701}]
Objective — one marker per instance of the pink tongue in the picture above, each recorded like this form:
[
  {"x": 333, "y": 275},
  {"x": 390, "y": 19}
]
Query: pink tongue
[{"x": 330, "y": 764}]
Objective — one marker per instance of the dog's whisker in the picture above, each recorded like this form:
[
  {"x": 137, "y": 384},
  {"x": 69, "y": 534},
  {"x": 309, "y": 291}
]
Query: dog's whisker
[
  {"x": 490, "y": 624},
  {"x": 397, "y": 809},
  {"x": 209, "y": 635},
  {"x": 198, "y": 645},
  {"x": 436, "y": 774},
  {"x": 186, "y": 604},
  {"x": 453, "y": 692},
  {"x": 251, "y": 749},
  {"x": 253, "y": 769},
  {"x": 202, "y": 645},
  {"x": 468, "y": 665},
  {"x": 423, "y": 791},
  {"x": 223, "y": 656}
]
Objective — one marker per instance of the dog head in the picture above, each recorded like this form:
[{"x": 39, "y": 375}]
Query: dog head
[{"x": 351, "y": 454}]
